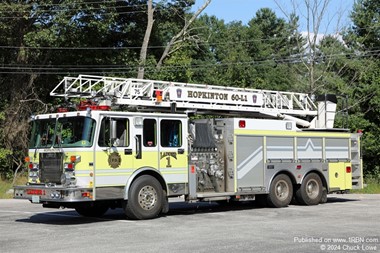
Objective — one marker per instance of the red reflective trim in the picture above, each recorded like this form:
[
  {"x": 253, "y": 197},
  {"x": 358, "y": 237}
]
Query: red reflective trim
[
  {"x": 86, "y": 194},
  {"x": 192, "y": 169},
  {"x": 34, "y": 192}
]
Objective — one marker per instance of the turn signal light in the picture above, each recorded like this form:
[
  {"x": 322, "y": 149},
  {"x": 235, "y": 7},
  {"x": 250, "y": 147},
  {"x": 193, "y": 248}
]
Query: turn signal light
[
  {"x": 73, "y": 158},
  {"x": 348, "y": 169}
]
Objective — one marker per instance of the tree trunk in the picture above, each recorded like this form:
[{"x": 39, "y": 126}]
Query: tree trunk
[
  {"x": 144, "y": 47},
  {"x": 176, "y": 37}
]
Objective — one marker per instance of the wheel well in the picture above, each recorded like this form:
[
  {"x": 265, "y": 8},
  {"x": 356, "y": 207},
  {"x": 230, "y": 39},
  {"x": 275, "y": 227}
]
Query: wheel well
[
  {"x": 290, "y": 175},
  {"x": 146, "y": 171}
]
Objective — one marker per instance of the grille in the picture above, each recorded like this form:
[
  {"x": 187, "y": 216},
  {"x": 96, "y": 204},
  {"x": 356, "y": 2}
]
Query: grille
[{"x": 51, "y": 167}]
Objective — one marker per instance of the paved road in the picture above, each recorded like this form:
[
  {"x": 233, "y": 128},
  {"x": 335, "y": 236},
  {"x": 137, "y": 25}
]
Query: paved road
[{"x": 347, "y": 223}]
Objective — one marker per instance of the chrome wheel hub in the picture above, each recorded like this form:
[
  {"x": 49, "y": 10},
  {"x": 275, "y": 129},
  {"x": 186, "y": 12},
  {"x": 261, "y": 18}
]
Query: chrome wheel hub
[{"x": 147, "y": 197}]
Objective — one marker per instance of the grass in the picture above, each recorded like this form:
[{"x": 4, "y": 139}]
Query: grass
[
  {"x": 372, "y": 186},
  {"x": 6, "y": 185}
]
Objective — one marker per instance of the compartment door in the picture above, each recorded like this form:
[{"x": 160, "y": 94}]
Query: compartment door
[{"x": 249, "y": 161}]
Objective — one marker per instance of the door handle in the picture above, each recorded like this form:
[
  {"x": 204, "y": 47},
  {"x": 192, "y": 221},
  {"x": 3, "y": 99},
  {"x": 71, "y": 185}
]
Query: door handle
[
  {"x": 128, "y": 151},
  {"x": 181, "y": 151},
  {"x": 138, "y": 146}
]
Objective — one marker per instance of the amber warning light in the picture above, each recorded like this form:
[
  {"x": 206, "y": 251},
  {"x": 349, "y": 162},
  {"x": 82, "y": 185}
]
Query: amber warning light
[{"x": 158, "y": 96}]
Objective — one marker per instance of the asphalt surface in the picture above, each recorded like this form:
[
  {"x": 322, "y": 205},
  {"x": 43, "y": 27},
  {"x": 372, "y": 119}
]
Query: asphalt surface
[{"x": 347, "y": 223}]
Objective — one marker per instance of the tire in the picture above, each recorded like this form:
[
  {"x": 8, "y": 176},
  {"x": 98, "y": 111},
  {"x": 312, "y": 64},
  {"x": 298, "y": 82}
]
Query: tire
[
  {"x": 165, "y": 203},
  {"x": 92, "y": 209},
  {"x": 145, "y": 199},
  {"x": 280, "y": 191},
  {"x": 324, "y": 196},
  {"x": 311, "y": 190}
]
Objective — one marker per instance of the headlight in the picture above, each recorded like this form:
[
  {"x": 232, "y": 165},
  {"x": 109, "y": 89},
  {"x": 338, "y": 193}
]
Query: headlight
[{"x": 33, "y": 174}]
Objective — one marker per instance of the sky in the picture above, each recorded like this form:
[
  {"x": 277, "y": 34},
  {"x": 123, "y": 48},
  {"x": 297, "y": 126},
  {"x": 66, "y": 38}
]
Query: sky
[{"x": 245, "y": 10}]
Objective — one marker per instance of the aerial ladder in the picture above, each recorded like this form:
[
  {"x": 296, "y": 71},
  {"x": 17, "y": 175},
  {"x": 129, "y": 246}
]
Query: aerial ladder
[{"x": 306, "y": 110}]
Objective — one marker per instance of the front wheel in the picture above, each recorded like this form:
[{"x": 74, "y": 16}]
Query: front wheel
[
  {"x": 311, "y": 190},
  {"x": 280, "y": 191},
  {"x": 145, "y": 198}
]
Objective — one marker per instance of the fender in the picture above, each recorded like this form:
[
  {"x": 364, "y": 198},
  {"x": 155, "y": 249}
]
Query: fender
[
  {"x": 316, "y": 171},
  {"x": 286, "y": 172},
  {"x": 144, "y": 171}
]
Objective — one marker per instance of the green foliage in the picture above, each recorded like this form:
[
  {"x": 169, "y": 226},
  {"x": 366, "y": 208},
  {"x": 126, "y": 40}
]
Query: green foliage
[
  {"x": 366, "y": 29},
  {"x": 45, "y": 40},
  {"x": 5, "y": 163},
  {"x": 6, "y": 186},
  {"x": 364, "y": 38},
  {"x": 372, "y": 186}
]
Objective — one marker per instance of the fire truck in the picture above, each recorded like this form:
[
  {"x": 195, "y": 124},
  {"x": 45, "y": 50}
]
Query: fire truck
[{"x": 133, "y": 144}]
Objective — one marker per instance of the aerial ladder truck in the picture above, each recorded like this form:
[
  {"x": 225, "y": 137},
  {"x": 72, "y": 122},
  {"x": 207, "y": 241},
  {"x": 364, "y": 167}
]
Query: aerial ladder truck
[{"x": 133, "y": 143}]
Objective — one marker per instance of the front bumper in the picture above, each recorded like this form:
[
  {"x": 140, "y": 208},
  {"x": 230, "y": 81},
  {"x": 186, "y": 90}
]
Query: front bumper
[{"x": 43, "y": 193}]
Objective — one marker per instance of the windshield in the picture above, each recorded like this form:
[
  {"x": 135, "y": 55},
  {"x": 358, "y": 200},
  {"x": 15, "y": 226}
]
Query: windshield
[{"x": 62, "y": 132}]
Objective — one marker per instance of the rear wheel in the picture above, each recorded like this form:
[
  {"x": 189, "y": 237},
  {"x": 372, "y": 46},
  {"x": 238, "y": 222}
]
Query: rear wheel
[
  {"x": 145, "y": 198},
  {"x": 280, "y": 192},
  {"x": 311, "y": 190},
  {"x": 94, "y": 209}
]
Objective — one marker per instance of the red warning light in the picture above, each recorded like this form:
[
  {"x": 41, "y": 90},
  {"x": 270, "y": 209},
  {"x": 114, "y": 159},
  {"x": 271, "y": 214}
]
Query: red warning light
[{"x": 241, "y": 123}]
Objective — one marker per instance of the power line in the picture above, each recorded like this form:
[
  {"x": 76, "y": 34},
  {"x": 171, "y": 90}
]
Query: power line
[
  {"x": 170, "y": 68},
  {"x": 207, "y": 43},
  {"x": 78, "y": 3},
  {"x": 89, "y": 8},
  {"x": 82, "y": 15},
  {"x": 289, "y": 58},
  {"x": 151, "y": 47}
]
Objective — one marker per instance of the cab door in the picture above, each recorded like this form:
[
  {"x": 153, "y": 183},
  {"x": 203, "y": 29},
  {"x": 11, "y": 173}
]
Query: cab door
[
  {"x": 114, "y": 160},
  {"x": 173, "y": 150},
  {"x": 145, "y": 134}
]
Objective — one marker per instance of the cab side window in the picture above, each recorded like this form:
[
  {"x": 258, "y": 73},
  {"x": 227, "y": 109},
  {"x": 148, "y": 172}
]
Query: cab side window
[
  {"x": 150, "y": 132},
  {"x": 114, "y": 132},
  {"x": 171, "y": 133}
]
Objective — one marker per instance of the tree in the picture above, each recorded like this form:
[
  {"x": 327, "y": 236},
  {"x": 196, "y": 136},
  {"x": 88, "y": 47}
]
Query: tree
[
  {"x": 182, "y": 36},
  {"x": 43, "y": 40},
  {"x": 33, "y": 32},
  {"x": 273, "y": 46},
  {"x": 177, "y": 40},
  {"x": 364, "y": 40},
  {"x": 148, "y": 31},
  {"x": 314, "y": 13},
  {"x": 366, "y": 30}
]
